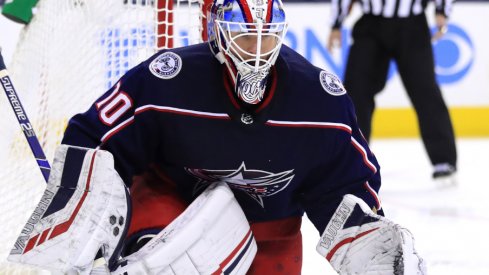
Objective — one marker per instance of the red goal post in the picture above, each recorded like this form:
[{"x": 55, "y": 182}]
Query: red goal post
[
  {"x": 67, "y": 56},
  {"x": 166, "y": 35}
]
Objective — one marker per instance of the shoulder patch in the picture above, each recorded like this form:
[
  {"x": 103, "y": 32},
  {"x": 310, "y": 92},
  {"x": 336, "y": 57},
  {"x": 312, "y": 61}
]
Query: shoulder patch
[
  {"x": 167, "y": 65},
  {"x": 331, "y": 83}
]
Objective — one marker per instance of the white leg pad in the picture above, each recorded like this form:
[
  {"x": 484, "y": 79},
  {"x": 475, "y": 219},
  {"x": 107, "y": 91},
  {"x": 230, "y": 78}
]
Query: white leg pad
[{"x": 211, "y": 235}]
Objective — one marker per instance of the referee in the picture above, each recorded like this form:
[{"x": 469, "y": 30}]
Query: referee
[{"x": 398, "y": 29}]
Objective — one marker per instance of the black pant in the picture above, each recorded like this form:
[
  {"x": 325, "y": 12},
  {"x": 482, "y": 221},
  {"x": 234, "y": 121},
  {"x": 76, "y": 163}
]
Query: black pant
[{"x": 376, "y": 41}]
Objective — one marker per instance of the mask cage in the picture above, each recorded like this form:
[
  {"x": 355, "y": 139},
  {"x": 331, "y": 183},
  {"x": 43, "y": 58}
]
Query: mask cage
[{"x": 231, "y": 33}]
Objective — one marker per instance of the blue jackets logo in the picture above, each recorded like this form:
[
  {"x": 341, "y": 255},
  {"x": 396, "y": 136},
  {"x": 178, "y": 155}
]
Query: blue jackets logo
[
  {"x": 167, "y": 65},
  {"x": 256, "y": 183}
]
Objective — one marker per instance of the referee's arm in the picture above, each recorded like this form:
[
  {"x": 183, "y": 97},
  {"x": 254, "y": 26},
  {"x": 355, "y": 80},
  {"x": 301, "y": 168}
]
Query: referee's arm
[
  {"x": 443, "y": 9},
  {"x": 339, "y": 10}
]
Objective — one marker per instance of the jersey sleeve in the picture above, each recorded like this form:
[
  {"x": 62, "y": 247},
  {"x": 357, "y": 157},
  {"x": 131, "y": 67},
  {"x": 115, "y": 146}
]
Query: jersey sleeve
[
  {"x": 349, "y": 168},
  {"x": 111, "y": 124}
]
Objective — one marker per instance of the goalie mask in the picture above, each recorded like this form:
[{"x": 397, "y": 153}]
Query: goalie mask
[{"x": 246, "y": 35}]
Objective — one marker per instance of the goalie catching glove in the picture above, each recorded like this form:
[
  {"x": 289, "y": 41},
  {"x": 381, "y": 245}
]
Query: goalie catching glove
[{"x": 358, "y": 241}]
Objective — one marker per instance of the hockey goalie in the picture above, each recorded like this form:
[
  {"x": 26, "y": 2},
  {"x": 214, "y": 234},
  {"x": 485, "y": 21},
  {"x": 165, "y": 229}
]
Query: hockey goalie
[
  {"x": 83, "y": 218},
  {"x": 223, "y": 146}
]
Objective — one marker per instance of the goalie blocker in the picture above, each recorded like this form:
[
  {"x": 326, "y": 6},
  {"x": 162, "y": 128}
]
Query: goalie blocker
[{"x": 84, "y": 209}]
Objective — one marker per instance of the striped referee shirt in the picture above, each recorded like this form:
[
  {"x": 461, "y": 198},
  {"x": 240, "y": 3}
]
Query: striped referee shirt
[{"x": 386, "y": 8}]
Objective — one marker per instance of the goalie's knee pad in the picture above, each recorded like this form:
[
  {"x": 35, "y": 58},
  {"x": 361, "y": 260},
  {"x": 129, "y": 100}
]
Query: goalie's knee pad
[
  {"x": 83, "y": 210},
  {"x": 212, "y": 236}
]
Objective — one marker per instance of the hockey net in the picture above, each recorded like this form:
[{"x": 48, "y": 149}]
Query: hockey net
[{"x": 66, "y": 57}]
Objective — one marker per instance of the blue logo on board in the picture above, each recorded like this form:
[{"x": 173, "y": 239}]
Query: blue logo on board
[{"x": 454, "y": 55}]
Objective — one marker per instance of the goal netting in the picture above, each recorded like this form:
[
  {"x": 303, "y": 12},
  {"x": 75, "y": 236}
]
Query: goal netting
[{"x": 66, "y": 57}]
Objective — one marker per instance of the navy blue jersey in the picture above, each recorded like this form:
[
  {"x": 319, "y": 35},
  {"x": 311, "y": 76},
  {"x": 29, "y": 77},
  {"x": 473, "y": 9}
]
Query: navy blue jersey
[{"x": 299, "y": 151}]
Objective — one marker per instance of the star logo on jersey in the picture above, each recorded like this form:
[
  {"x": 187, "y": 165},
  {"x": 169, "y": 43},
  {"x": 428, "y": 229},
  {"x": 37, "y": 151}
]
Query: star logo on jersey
[
  {"x": 331, "y": 84},
  {"x": 256, "y": 183},
  {"x": 167, "y": 65}
]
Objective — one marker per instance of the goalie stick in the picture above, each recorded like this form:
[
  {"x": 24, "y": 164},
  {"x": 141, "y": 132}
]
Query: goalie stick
[{"x": 23, "y": 120}]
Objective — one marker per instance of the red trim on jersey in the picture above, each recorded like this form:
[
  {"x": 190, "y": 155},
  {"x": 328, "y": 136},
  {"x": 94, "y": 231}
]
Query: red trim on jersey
[
  {"x": 307, "y": 124},
  {"x": 116, "y": 129},
  {"x": 346, "y": 241},
  {"x": 374, "y": 194},
  {"x": 161, "y": 109},
  {"x": 227, "y": 85},
  {"x": 269, "y": 94},
  {"x": 363, "y": 152},
  {"x": 178, "y": 111}
]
